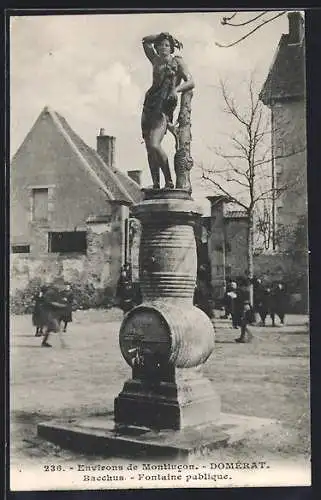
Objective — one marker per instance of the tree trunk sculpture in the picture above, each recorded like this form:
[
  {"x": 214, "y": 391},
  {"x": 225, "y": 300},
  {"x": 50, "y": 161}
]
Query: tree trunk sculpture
[{"x": 183, "y": 162}]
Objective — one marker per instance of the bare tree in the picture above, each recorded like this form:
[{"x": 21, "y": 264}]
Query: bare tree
[
  {"x": 253, "y": 22},
  {"x": 244, "y": 173}
]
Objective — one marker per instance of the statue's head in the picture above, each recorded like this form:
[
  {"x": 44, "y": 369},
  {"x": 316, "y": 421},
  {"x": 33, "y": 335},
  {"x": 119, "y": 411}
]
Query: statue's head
[{"x": 164, "y": 44}]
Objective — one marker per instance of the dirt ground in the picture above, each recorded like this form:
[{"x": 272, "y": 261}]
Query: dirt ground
[{"x": 267, "y": 378}]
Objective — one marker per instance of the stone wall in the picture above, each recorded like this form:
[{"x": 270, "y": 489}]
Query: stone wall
[
  {"x": 100, "y": 267},
  {"x": 236, "y": 247},
  {"x": 289, "y": 141},
  {"x": 227, "y": 244},
  {"x": 216, "y": 247},
  {"x": 271, "y": 266},
  {"x": 105, "y": 250}
]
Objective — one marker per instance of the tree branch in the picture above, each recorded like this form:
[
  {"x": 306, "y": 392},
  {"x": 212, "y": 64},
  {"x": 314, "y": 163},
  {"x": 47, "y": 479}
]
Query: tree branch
[
  {"x": 229, "y": 18},
  {"x": 241, "y": 146},
  {"x": 238, "y": 182},
  {"x": 229, "y": 101},
  {"x": 224, "y": 191},
  {"x": 226, "y": 19},
  {"x": 250, "y": 32},
  {"x": 275, "y": 191},
  {"x": 278, "y": 157},
  {"x": 238, "y": 171}
]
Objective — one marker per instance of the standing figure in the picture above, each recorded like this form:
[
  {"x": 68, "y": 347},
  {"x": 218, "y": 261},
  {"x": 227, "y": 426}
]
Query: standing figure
[
  {"x": 37, "y": 313},
  {"x": 278, "y": 302},
  {"x": 170, "y": 77},
  {"x": 264, "y": 303},
  {"x": 125, "y": 290},
  {"x": 245, "y": 313},
  {"x": 53, "y": 308},
  {"x": 68, "y": 298},
  {"x": 203, "y": 292}
]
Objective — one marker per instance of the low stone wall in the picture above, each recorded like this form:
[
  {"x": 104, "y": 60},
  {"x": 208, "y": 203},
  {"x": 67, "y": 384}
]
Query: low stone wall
[
  {"x": 93, "y": 285},
  {"x": 24, "y": 268},
  {"x": 27, "y": 274}
]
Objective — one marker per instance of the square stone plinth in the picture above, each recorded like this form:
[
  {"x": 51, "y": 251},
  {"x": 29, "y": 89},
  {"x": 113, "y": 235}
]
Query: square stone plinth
[{"x": 99, "y": 436}]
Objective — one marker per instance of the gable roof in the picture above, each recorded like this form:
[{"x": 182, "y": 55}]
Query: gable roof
[
  {"x": 116, "y": 185},
  {"x": 286, "y": 78}
]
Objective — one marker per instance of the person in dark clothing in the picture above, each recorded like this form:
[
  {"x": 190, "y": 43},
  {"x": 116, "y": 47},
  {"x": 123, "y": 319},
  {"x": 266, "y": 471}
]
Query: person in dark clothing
[
  {"x": 264, "y": 303},
  {"x": 278, "y": 302},
  {"x": 68, "y": 298},
  {"x": 245, "y": 313},
  {"x": 203, "y": 292},
  {"x": 125, "y": 290},
  {"x": 37, "y": 313},
  {"x": 53, "y": 307}
]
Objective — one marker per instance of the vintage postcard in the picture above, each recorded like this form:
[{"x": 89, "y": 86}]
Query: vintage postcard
[{"x": 159, "y": 311}]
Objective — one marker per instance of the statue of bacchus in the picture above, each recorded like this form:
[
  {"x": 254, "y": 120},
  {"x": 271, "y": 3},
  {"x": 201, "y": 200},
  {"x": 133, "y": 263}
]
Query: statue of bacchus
[{"x": 170, "y": 78}]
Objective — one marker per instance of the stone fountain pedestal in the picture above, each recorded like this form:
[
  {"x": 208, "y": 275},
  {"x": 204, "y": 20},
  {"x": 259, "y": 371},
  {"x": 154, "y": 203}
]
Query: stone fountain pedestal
[
  {"x": 166, "y": 339},
  {"x": 167, "y": 408}
]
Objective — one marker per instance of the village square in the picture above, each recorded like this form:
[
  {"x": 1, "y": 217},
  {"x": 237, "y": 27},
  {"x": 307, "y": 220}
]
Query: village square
[{"x": 159, "y": 255}]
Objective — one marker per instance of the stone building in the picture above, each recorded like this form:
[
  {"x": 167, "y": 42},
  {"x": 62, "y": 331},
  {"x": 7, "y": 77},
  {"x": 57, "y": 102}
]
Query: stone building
[
  {"x": 227, "y": 242},
  {"x": 284, "y": 93},
  {"x": 226, "y": 246},
  {"x": 69, "y": 206}
]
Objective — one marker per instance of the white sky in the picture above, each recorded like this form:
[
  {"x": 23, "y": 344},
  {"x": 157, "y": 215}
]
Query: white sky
[{"x": 92, "y": 69}]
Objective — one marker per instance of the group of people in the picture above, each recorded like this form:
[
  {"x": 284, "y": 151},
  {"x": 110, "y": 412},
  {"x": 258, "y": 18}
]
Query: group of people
[
  {"x": 52, "y": 309},
  {"x": 267, "y": 300},
  {"x": 270, "y": 300},
  {"x": 53, "y": 303}
]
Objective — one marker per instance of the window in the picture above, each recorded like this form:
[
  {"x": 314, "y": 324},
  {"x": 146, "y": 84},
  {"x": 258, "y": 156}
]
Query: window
[
  {"x": 20, "y": 248},
  {"x": 40, "y": 204},
  {"x": 67, "y": 242}
]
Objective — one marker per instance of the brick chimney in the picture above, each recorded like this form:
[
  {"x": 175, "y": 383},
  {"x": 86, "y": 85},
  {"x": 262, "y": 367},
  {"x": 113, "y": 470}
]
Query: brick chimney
[
  {"x": 135, "y": 175},
  {"x": 106, "y": 148},
  {"x": 296, "y": 27}
]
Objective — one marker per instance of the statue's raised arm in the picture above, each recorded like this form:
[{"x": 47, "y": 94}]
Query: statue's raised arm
[{"x": 148, "y": 46}]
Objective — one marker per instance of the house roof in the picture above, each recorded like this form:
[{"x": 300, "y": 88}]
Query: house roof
[
  {"x": 117, "y": 185},
  {"x": 286, "y": 78},
  {"x": 235, "y": 214}
]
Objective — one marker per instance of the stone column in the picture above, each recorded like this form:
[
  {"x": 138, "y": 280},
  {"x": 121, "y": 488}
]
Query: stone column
[{"x": 166, "y": 339}]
